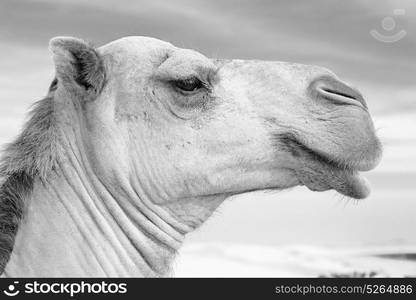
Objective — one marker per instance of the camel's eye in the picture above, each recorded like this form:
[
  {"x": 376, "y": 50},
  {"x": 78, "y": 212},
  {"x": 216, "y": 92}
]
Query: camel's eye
[{"x": 188, "y": 85}]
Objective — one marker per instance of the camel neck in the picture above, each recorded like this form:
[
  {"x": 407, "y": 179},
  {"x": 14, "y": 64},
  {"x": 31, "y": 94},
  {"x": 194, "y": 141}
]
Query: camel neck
[{"x": 74, "y": 225}]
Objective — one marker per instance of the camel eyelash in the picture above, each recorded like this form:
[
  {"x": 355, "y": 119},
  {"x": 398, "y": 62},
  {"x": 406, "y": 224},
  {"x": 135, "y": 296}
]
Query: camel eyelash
[{"x": 190, "y": 85}]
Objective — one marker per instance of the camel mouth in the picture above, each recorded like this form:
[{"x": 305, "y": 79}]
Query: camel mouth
[
  {"x": 346, "y": 182},
  {"x": 319, "y": 172},
  {"x": 324, "y": 174}
]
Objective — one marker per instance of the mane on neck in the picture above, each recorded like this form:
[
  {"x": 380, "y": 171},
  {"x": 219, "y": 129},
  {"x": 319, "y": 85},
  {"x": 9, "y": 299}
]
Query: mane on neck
[{"x": 32, "y": 155}]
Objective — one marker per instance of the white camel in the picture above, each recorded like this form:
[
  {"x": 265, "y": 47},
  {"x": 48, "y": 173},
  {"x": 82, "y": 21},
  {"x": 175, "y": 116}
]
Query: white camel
[{"x": 138, "y": 142}]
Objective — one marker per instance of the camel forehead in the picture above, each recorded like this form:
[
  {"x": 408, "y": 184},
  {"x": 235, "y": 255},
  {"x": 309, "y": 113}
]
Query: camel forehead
[
  {"x": 147, "y": 48},
  {"x": 133, "y": 44}
]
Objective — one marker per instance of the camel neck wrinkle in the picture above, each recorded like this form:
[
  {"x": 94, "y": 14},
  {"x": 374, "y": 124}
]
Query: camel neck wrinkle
[{"x": 74, "y": 226}]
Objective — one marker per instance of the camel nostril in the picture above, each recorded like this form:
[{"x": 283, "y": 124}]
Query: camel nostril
[
  {"x": 339, "y": 93},
  {"x": 335, "y": 91}
]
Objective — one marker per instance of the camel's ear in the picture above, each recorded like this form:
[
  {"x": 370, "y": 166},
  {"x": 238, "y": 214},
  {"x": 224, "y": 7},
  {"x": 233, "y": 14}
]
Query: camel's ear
[{"x": 77, "y": 64}]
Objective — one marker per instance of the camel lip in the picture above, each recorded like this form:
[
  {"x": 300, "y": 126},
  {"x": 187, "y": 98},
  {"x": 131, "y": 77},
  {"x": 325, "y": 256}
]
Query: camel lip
[
  {"x": 299, "y": 149},
  {"x": 344, "y": 177},
  {"x": 350, "y": 184},
  {"x": 320, "y": 172}
]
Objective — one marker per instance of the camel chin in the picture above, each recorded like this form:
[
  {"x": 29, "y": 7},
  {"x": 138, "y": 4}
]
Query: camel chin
[{"x": 348, "y": 183}]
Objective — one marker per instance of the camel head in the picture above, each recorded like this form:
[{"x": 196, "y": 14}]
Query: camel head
[{"x": 186, "y": 131}]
